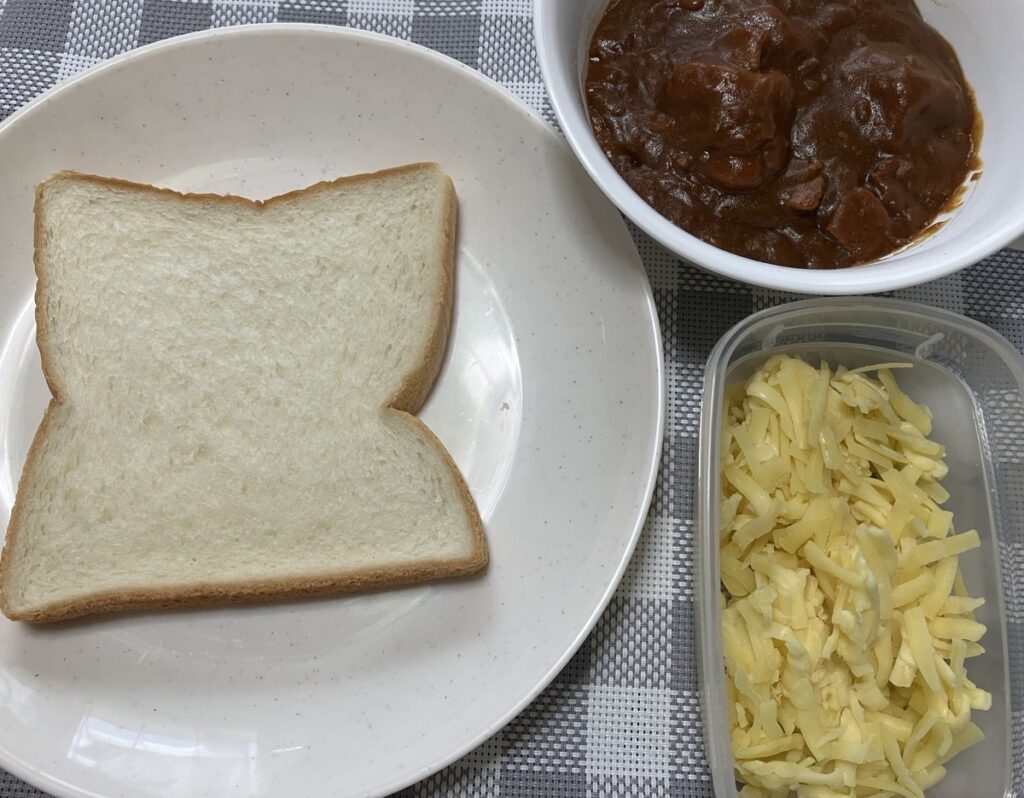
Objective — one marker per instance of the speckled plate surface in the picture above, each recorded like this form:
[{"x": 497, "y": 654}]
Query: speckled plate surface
[{"x": 550, "y": 401}]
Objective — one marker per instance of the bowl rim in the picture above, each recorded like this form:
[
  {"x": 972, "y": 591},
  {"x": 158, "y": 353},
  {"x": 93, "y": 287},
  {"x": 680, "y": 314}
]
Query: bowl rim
[{"x": 873, "y": 277}]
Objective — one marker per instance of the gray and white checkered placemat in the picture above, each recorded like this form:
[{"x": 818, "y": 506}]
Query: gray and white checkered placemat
[{"x": 623, "y": 718}]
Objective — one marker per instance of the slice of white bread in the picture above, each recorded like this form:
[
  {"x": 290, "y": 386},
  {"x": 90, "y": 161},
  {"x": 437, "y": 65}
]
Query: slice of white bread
[{"x": 233, "y": 383}]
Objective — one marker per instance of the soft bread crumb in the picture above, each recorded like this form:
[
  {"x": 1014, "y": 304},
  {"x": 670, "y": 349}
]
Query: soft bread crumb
[{"x": 232, "y": 382}]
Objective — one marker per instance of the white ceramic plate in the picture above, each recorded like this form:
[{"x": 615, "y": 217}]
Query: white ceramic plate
[{"x": 550, "y": 401}]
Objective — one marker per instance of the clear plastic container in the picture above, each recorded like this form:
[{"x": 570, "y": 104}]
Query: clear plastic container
[{"x": 973, "y": 380}]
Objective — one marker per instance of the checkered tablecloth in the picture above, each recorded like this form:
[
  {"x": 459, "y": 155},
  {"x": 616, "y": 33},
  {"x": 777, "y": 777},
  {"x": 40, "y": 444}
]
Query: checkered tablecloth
[{"x": 623, "y": 719}]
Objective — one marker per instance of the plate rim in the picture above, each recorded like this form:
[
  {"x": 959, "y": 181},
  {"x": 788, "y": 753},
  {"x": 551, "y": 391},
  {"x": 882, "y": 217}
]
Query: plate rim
[{"x": 42, "y": 780}]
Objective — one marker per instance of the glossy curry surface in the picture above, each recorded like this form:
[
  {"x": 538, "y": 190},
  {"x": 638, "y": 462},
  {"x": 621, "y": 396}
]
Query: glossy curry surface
[{"x": 797, "y": 132}]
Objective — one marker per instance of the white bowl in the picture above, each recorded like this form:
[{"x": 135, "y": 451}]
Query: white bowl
[{"x": 986, "y": 37}]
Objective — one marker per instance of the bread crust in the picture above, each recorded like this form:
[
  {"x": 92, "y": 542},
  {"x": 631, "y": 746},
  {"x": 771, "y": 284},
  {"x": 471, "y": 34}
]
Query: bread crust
[{"x": 413, "y": 390}]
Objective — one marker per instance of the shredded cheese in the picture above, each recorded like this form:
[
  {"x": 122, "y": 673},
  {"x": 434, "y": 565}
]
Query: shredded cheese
[{"x": 846, "y": 622}]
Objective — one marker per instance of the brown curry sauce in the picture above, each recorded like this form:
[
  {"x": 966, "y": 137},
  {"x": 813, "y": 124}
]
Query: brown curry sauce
[{"x": 813, "y": 133}]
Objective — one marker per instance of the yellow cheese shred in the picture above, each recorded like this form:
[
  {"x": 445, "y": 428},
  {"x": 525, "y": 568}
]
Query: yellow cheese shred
[{"x": 846, "y": 620}]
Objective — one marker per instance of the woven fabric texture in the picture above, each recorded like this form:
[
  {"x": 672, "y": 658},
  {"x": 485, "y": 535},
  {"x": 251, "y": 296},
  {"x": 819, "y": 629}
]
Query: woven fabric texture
[{"x": 623, "y": 718}]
